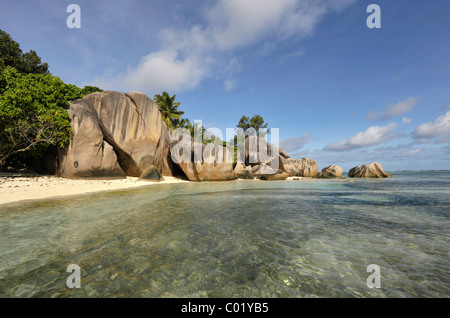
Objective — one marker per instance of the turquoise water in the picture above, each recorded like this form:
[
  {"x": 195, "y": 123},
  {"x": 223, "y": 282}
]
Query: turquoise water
[{"x": 235, "y": 239}]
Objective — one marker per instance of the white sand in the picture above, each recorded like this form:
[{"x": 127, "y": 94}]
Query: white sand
[{"x": 19, "y": 187}]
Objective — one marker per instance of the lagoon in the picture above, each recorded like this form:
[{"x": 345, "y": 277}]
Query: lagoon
[{"x": 265, "y": 239}]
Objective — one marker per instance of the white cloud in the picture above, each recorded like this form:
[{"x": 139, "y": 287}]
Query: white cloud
[
  {"x": 410, "y": 153},
  {"x": 189, "y": 54},
  {"x": 437, "y": 128},
  {"x": 295, "y": 143},
  {"x": 372, "y": 136},
  {"x": 400, "y": 108},
  {"x": 407, "y": 120},
  {"x": 163, "y": 69}
]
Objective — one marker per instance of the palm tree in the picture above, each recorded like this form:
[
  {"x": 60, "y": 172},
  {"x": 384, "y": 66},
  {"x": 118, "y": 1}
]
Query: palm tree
[
  {"x": 194, "y": 129},
  {"x": 169, "y": 109},
  {"x": 181, "y": 123}
]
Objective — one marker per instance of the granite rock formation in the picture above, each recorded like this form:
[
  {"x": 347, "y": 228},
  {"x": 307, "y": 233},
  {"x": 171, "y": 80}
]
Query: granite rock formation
[
  {"x": 331, "y": 172},
  {"x": 372, "y": 170},
  {"x": 151, "y": 174},
  {"x": 213, "y": 163},
  {"x": 115, "y": 134},
  {"x": 301, "y": 167}
]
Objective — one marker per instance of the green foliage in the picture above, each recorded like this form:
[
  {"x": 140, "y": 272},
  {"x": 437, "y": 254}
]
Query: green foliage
[
  {"x": 169, "y": 109},
  {"x": 256, "y": 122},
  {"x": 12, "y": 55},
  {"x": 182, "y": 123},
  {"x": 90, "y": 89},
  {"x": 32, "y": 114},
  {"x": 33, "y": 103}
]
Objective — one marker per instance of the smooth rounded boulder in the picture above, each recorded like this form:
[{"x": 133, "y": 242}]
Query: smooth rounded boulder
[
  {"x": 301, "y": 167},
  {"x": 87, "y": 155},
  {"x": 372, "y": 170},
  {"x": 331, "y": 172},
  {"x": 151, "y": 174},
  {"x": 115, "y": 134},
  {"x": 212, "y": 163}
]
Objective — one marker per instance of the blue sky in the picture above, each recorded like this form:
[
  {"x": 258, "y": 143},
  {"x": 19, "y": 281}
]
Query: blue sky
[{"x": 339, "y": 92}]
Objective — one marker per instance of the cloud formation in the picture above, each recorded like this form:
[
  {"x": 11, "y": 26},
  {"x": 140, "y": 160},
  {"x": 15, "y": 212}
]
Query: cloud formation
[
  {"x": 395, "y": 110},
  {"x": 191, "y": 54},
  {"x": 437, "y": 128},
  {"x": 295, "y": 143},
  {"x": 165, "y": 69},
  {"x": 407, "y": 120},
  {"x": 372, "y": 136},
  {"x": 410, "y": 153}
]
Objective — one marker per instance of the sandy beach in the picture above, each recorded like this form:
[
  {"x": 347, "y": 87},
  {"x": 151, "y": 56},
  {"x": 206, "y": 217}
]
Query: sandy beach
[{"x": 16, "y": 187}]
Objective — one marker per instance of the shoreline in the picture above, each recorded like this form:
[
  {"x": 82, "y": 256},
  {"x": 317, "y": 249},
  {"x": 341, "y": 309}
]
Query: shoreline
[{"x": 23, "y": 187}]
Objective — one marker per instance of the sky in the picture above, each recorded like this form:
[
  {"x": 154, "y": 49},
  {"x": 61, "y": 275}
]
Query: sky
[{"x": 338, "y": 91}]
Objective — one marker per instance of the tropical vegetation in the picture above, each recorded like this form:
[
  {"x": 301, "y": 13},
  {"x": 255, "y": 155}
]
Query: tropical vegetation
[{"x": 33, "y": 103}]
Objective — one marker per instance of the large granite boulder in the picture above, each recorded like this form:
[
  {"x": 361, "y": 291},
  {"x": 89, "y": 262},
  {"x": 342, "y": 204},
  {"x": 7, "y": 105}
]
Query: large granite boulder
[
  {"x": 372, "y": 170},
  {"x": 87, "y": 155},
  {"x": 301, "y": 167},
  {"x": 331, "y": 172},
  {"x": 125, "y": 125},
  {"x": 214, "y": 163},
  {"x": 258, "y": 151}
]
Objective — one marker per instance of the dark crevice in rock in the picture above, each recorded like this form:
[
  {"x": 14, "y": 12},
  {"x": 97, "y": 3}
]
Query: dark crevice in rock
[
  {"x": 133, "y": 102},
  {"x": 125, "y": 161}
]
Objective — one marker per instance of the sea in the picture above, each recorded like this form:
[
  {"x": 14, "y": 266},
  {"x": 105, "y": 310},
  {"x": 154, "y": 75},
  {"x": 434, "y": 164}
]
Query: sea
[{"x": 346, "y": 238}]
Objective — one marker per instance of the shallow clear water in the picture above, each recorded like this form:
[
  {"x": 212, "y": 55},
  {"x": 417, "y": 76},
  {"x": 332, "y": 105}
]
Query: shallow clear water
[{"x": 235, "y": 239}]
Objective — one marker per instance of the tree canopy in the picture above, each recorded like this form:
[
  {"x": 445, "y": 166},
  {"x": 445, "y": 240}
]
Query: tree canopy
[
  {"x": 32, "y": 114},
  {"x": 12, "y": 55},
  {"x": 256, "y": 122},
  {"x": 32, "y": 103},
  {"x": 169, "y": 109}
]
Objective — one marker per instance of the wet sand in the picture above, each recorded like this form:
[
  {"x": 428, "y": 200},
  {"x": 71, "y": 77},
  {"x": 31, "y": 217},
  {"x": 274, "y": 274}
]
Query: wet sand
[{"x": 16, "y": 187}]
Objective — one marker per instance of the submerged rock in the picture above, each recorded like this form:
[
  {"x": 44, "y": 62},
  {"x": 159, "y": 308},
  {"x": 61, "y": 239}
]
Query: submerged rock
[
  {"x": 331, "y": 172},
  {"x": 372, "y": 170}
]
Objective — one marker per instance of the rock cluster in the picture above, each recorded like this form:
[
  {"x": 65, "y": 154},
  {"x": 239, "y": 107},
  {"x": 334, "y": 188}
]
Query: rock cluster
[
  {"x": 122, "y": 134},
  {"x": 267, "y": 162},
  {"x": 214, "y": 162}
]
